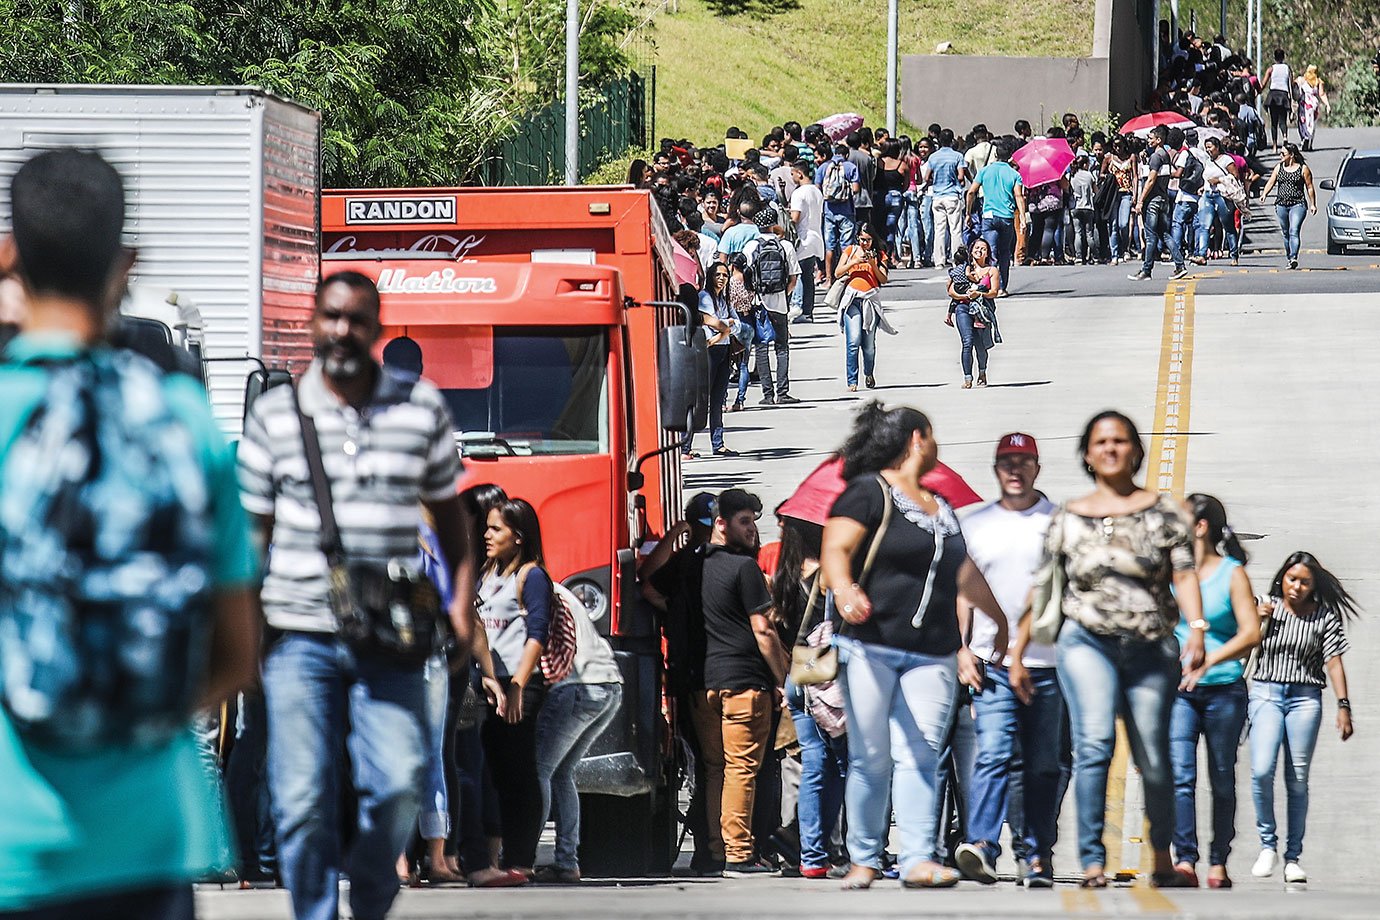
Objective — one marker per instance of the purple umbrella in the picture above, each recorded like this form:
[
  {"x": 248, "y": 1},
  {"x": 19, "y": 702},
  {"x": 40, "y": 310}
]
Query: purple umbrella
[
  {"x": 838, "y": 126},
  {"x": 1042, "y": 160}
]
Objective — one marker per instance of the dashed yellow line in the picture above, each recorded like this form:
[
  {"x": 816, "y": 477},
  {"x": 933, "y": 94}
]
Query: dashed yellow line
[
  {"x": 1152, "y": 900},
  {"x": 1081, "y": 900}
]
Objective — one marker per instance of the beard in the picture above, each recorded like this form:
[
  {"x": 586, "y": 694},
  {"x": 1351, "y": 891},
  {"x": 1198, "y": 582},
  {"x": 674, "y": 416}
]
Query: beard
[{"x": 347, "y": 366}]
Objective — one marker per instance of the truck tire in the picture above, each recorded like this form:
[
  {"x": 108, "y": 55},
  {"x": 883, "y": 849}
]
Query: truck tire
[
  {"x": 1335, "y": 249},
  {"x": 627, "y": 836}
]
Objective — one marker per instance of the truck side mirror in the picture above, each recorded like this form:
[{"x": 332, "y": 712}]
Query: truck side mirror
[
  {"x": 262, "y": 380},
  {"x": 683, "y": 382}
]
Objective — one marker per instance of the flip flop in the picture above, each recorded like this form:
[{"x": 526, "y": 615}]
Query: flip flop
[{"x": 933, "y": 878}]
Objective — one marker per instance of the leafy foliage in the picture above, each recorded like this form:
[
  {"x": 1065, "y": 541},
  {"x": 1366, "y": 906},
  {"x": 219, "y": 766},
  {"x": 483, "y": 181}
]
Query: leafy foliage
[{"x": 412, "y": 91}]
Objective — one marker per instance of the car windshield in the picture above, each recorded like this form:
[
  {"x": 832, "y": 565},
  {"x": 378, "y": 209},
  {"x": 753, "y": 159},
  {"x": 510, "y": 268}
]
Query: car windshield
[
  {"x": 548, "y": 394},
  {"x": 1364, "y": 171}
]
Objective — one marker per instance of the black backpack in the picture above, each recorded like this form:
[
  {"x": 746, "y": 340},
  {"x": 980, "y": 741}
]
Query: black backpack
[
  {"x": 1191, "y": 181},
  {"x": 770, "y": 270}
]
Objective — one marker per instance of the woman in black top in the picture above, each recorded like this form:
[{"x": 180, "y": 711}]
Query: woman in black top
[
  {"x": 901, "y": 652},
  {"x": 893, "y": 176},
  {"x": 1301, "y": 647}
]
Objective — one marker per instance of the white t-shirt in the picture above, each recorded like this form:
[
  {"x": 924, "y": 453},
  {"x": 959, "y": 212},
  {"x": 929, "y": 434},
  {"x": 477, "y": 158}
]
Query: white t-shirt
[
  {"x": 1006, "y": 547},
  {"x": 709, "y": 250},
  {"x": 778, "y": 302},
  {"x": 809, "y": 201}
]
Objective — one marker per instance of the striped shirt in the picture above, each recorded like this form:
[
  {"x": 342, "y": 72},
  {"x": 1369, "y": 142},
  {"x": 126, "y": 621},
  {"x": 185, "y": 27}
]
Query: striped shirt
[
  {"x": 383, "y": 461},
  {"x": 1295, "y": 649}
]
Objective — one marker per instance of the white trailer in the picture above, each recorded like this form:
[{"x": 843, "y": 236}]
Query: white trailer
[{"x": 223, "y": 189}]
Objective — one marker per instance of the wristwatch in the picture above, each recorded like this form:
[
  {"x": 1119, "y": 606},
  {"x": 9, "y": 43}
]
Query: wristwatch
[
  {"x": 1344, "y": 703},
  {"x": 1199, "y": 623}
]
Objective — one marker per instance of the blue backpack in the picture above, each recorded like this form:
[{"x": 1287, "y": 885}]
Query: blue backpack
[{"x": 106, "y": 539}]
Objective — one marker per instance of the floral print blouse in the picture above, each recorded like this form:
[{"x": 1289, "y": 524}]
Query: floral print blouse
[{"x": 1119, "y": 569}]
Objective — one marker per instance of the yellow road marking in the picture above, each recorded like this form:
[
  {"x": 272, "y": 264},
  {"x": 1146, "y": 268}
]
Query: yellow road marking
[
  {"x": 1152, "y": 900},
  {"x": 1082, "y": 900}
]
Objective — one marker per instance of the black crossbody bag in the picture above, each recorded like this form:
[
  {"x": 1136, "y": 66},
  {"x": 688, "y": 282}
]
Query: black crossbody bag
[{"x": 384, "y": 610}]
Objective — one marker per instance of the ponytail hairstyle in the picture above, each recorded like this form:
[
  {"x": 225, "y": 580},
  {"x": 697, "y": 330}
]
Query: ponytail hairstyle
[
  {"x": 880, "y": 438},
  {"x": 1327, "y": 589},
  {"x": 1220, "y": 535}
]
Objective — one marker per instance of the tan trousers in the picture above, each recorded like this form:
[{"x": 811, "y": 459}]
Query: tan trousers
[
  {"x": 732, "y": 726},
  {"x": 1019, "y": 225}
]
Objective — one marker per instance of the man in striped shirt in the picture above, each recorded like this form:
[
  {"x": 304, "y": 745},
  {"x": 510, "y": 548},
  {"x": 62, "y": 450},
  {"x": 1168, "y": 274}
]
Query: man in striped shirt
[{"x": 388, "y": 448}]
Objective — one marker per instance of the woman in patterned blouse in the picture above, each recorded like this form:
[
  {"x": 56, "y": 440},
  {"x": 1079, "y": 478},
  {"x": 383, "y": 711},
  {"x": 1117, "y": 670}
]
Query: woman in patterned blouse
[{"x": 1127, "y": 552}]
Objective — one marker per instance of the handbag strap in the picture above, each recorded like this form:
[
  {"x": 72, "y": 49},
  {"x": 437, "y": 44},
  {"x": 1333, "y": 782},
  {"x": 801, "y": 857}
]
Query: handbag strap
[
  {"x": 320, "y": 486},
  {"x": 881, "y": 529},
  {"x": 802, "y": 630}
]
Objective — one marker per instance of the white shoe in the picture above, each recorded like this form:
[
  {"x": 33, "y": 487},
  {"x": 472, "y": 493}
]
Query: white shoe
[
  {"x": 1294, "y": 873},
  {"x": 1265, "y": 864}
]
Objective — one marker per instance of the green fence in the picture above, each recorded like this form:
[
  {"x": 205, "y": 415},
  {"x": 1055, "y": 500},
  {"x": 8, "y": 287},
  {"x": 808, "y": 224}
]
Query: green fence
[{"x": 534, "y": 154}]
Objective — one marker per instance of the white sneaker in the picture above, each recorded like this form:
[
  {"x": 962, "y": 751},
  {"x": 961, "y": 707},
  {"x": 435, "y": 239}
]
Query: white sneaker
[
  {"x": 1293, "y": 872},
  {"x": 1265, "y": 864}
]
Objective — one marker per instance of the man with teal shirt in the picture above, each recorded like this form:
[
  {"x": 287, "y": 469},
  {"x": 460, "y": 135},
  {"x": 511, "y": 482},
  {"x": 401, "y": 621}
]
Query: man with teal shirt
[
  {"x": 118, "y": 831},
  {"x": 999, "y": 186},
  {"x": 1212, "y": 700}
]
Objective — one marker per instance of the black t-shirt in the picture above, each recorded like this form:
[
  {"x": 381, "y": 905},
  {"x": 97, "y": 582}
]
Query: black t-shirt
[
  {"x": 896, "y": 582},
  {"x": 733, "y": 588},
  {"x": 679, "y": 582},
  {"x": 1158, "y": 164}
]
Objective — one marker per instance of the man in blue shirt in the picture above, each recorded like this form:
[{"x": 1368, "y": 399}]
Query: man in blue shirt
[
  {"x": 1002, "y": 196},
  {"x": 839, "y": 181},
  {"x": 947, "y": 171}
]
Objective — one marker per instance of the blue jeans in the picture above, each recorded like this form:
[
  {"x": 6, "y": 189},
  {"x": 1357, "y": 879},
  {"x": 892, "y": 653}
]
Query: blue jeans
[
  {"x": 839, "y": 228},
  {"x": 823, "y": 768},
  {"x": 1000, "y": 234},
  {"x": 1000, "y": 718},
  {"x": 1217, "y": 713},
  {"x": 898, "y": 704},
  {"x": 317, "y": 690},
  {"x": 246, "y": 788},
  {"x": 573, "y": 718},
  {"x": 719, "y": 370},
  {"x": 1121, "y": 225},
  {"x": 1288, "y": 716},
  {"x": 1213, "y": 207},
  {"x": 855, "y": 338},
  {"x": 803, "y": 297},
  {"x": 893, "y": 205},
  {"x": 1290, "y": 219},
  {"x": 973, "y": 340},
  {"x": 1180, "y": 229},
  {"x": 749, "y": 337},
  {"x": 1153, "y": 225},
  {"x": 434, "y": 823},
  {"x": 1103, "y": 676}
]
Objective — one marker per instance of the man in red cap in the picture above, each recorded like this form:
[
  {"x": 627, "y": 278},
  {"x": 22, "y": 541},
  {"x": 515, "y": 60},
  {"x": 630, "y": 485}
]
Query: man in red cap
[{"x": 1006, "y": 540}]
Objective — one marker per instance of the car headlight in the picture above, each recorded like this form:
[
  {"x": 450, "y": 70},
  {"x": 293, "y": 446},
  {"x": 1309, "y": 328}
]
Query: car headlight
[
  {"x": 1342, "y": 209},
  {"x": 594, "y": 598}
]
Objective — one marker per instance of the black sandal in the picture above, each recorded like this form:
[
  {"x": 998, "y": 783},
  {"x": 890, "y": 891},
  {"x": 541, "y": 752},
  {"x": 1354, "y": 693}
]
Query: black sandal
[
  {"x": 725, "y": 452},
  {"x": 1093, "y": 881}
]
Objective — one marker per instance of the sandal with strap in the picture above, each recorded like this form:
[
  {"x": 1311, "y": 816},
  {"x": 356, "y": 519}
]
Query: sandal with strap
[
  {"x": 1093, "y": 881},
  {"x": 931, "y": 878}
]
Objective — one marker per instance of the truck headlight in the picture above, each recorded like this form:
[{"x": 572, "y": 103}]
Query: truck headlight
[
  {"x": 1342, "y": 209},
  {"x": 595, "y": 599}
]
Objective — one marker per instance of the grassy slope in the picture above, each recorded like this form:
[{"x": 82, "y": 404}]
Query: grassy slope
[{"x": 829, "y": 56}]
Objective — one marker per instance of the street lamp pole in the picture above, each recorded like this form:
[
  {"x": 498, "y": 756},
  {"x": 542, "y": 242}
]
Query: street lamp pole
[
  {"x": 892, "y": 27},
  {"x": 572, "y": 92}
]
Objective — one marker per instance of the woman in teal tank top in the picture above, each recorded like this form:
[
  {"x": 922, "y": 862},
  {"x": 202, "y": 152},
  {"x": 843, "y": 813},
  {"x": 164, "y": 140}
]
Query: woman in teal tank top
[{"x": 1212, "y": 700}]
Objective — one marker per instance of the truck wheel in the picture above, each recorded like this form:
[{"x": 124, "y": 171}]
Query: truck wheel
[
  {"x": 627, "y": 836},
  {"x": 1335, "y": 249}
]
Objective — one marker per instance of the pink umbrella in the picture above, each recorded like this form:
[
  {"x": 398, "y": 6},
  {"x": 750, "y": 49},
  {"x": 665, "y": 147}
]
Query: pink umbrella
[
  {"x": 687, "y": 266},
  {"x": 814, "y": 497},
  {"x": 1142, "y": 124},
  {"x": 1042, "y": 160},
  {"x": 838, "y": 126}
]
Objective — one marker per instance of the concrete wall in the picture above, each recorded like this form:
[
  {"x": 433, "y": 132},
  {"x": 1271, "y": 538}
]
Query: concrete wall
[{"x": 959, "y": 91}]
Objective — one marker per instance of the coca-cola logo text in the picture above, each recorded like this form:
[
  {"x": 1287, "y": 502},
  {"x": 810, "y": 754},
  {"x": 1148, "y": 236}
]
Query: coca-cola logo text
[{"x": 459, "y": 247}]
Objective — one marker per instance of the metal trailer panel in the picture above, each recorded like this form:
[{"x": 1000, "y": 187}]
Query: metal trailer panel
[{"x": 193, "y": 160}]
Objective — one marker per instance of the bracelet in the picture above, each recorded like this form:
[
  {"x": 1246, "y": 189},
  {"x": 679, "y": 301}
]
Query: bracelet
[{"x": 1344, "y": 703}]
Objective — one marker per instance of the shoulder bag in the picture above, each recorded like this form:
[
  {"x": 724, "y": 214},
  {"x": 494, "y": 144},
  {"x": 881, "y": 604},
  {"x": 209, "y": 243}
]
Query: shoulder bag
[
  {"x": 386, "y": 610},
  {"x": 1047, "y": 597},
  {"x": 810, "y": 665}
]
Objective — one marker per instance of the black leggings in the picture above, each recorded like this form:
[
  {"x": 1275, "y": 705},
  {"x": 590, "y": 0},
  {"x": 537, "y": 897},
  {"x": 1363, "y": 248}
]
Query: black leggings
[
  {"x": 1279, "y": 122},
  {"x": 511, "y": 752}
]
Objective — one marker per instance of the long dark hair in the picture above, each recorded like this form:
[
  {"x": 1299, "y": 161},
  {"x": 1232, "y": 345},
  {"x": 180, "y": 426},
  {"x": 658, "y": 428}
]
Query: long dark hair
[
  {"x": 880, "y": 437},
  {"x": 521, "y": 518},
  {"x": 1210, "y": 510},
  {"x": 800, "y": 541},
  {"x": 477, "y": 500},
  {"x": 636, "y": 170},
  {"x": 1131, "y": 431},
  {"x": 1327, "y": 589}
]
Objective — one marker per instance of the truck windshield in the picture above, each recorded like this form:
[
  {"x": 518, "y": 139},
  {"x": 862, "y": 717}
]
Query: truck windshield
[{"x": 548, "y": 395}]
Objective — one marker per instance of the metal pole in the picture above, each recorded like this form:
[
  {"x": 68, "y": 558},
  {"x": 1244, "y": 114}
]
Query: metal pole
[
  {"x": 1222, "y": 22},
  {"x": 892, "y": 27},
  {"x": 572, "y": 92},
  {"x": 1259, "y": 51}
]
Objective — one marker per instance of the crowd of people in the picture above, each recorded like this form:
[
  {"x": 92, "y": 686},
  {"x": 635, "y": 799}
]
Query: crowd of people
[{"x": 955, "y": 674}]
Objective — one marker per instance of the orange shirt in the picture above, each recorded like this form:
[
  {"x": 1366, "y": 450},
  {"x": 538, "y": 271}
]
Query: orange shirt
[{"x": 861, "y": 277}]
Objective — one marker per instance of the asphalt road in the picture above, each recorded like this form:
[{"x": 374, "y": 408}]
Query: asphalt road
[{"x": 1278, "y": 378}]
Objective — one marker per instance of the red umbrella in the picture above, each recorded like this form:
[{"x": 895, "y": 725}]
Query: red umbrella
[
  {"x": 1143, "y": 123},
  {"x": 814, "y": 497},
  {"x": 1042, "y": 160}
]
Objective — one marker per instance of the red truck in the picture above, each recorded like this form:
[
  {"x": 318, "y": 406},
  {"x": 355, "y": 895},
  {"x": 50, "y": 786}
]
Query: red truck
[{"x": 546, "y": 317}]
